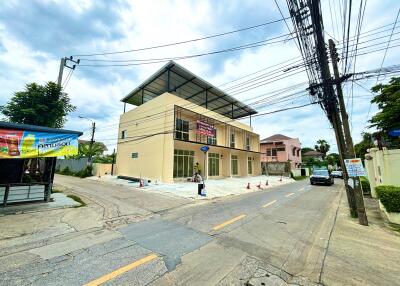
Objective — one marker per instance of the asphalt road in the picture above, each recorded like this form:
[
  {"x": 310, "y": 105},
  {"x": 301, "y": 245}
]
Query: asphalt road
[{"x": 273, "y": 237}]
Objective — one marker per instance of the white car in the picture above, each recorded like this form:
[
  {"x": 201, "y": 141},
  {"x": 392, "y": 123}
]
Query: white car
[{"x": 337, "y": 174}]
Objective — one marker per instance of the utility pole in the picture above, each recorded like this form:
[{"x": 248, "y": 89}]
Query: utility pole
[
  {"x": 92, "y": 142},
  {"x": 329, "y": 99},
  {"x": 60, "y": 72},
  {"x": 113, "y": 162},
  {"x": 358, "y": 196},
  {"x": 64, "y": 63}
]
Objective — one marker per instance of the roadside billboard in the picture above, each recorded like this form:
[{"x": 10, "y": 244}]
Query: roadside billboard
[{"x": 30, "y": 144}]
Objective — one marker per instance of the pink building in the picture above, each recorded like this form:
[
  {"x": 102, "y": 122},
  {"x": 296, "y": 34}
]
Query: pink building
[{"x": 280, "y": 148}]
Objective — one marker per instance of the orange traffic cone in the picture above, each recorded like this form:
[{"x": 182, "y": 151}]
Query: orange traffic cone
[
  {"x": 266, "y": 183},
  {"x": 248, "y": 186},
  {"x": 259, "y": 185}
]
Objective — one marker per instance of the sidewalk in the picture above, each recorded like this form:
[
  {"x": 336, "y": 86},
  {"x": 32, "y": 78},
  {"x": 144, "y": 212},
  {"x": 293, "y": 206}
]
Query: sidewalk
[
  {"x": 215, "y": 188},
  {"x": 359, "y": 255},
  {"x": 58, "y": 201}
]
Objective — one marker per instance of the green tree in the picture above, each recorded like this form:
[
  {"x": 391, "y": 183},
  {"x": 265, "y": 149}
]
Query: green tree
[
  {"x": 313, "y": 162},
  {"x": 305, "y": 150},
  {"x": 104, "y": 159},
  {"x": 362, "y": 147},
  {"x": 84, "y": 150},
  {"x": 332, "y": 159},
  {"x": 44, "y": 105},
  {"x": 388, "y": 101},
  {"x": 323, "y": 147},
  {"x": 388, "y": 116}
]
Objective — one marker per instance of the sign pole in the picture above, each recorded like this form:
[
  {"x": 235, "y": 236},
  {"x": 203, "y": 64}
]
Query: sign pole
[
  {"x": 205, "y": 150},
  {"x": 355, "y": 169}
]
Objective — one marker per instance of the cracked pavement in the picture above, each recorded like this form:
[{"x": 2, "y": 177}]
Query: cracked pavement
[{"x": 284, "y": 243}]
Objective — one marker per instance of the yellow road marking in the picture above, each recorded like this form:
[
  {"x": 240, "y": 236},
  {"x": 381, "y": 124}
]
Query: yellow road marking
[
  {"x": 270, "y": 203},
  {"x": 217, "y": 227},
  {"x": 288, "y": 195},
  {"x": 121, "y": 270},
  {"x": 302, "y": 189}
]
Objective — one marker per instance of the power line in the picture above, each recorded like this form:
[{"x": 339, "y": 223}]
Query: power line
[
  {"x": 182, "y": 42},
  {"x": 380, "y": 69},
  {"x": 137, "y": 62},
  {"x": 258, "y": 71},
  {"x": 387, "y": 47},
  {"x": 136, "y": 138},
  {"x": 68, "y": 79},
  {"x": 348, "y": 35}
]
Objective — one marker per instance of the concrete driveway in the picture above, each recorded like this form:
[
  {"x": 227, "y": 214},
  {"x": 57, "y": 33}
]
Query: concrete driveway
[
  {"x": 118, "y": 201},
  {"x": 107, "y": 207}
]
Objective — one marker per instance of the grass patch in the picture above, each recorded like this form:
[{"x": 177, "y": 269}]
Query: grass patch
[
  {"x": 299, "y": 178},
  {"x": 77, "y": 199}
]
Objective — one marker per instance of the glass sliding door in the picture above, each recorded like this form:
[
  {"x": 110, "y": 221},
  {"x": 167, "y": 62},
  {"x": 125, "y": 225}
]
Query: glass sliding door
[
  {"x": 250, "y": 165},
  {"x": 213, "y": 164},
  {"x": 183, "y": 163},
  {"x": 234, "y": 165}
]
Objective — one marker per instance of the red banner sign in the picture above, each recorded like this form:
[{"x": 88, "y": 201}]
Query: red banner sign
[{"x": 205, "y": 129}]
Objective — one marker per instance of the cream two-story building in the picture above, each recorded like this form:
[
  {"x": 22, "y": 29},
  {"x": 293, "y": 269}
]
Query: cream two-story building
[{"x": 177, "y": 113}]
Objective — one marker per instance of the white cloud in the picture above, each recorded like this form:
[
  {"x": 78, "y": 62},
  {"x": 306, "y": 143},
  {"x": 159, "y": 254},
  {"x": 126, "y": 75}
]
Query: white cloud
[{"x": 97, "y": 92}]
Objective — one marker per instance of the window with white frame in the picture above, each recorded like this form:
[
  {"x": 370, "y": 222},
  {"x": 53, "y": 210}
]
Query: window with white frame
[
  {"x": 248, "y": 143},
  {"x": 182, "y": 129},
  {"x": 212, "y": 140},
  {"x": 232, "y": 142}
]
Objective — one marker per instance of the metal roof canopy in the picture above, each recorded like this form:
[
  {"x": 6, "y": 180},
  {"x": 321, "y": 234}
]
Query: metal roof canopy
[
  {"x": 179, "y": 81},
  {"x": 20, "y": 126}
]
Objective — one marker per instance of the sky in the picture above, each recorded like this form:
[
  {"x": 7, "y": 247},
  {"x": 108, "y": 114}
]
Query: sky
[{"x": 34, "y": 35}]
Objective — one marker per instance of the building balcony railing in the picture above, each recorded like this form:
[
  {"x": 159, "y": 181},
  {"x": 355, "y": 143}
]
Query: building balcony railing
[{"x": 193, "y": 127}]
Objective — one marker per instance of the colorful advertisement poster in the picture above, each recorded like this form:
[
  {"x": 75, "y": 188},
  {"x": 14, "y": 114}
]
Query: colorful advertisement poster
[
  {"x": 205, "y": 129},
  {"x": 30, "y": 144}
]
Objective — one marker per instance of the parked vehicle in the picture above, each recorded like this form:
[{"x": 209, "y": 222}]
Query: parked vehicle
[
  {"x": 321, "y": 177},
  {"x": 337, "y": 174}
]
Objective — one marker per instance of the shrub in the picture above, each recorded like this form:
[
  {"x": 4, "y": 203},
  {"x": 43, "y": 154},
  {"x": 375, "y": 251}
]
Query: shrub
[
  {"x": 389, "y": 197},
  {"x": 299, "y": 178},
  {"x": 87, "y": 172},
  {"x": 66, "y": 171},
  {"x": 365, "y": 185}
]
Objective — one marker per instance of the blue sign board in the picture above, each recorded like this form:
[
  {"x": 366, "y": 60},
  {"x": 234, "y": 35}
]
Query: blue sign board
[
  {"x": 204, "y": 148},
  {"x": 394, "y": 132}
]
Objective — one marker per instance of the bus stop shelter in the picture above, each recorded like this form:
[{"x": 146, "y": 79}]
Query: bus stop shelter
[{"x": 28, "y": 155}]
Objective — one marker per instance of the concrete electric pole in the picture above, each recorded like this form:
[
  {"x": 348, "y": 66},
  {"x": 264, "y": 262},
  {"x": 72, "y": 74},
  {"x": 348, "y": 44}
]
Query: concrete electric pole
[
  {"x": 64, "y": 63},
  {"x": 60, "y": 72},
  {"x": 92, "y": 142},
  {"x": 349, "y": 152},
  {"x": 307, "y": 18}
]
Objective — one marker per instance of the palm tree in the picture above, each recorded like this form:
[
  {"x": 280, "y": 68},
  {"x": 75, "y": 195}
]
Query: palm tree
[
  {"x": 84, "y": 150},
  {"x": 322, "y": 147}
]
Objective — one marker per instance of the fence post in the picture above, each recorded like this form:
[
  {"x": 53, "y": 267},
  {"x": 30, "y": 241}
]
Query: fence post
[{"x": 6, "y": 195}]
